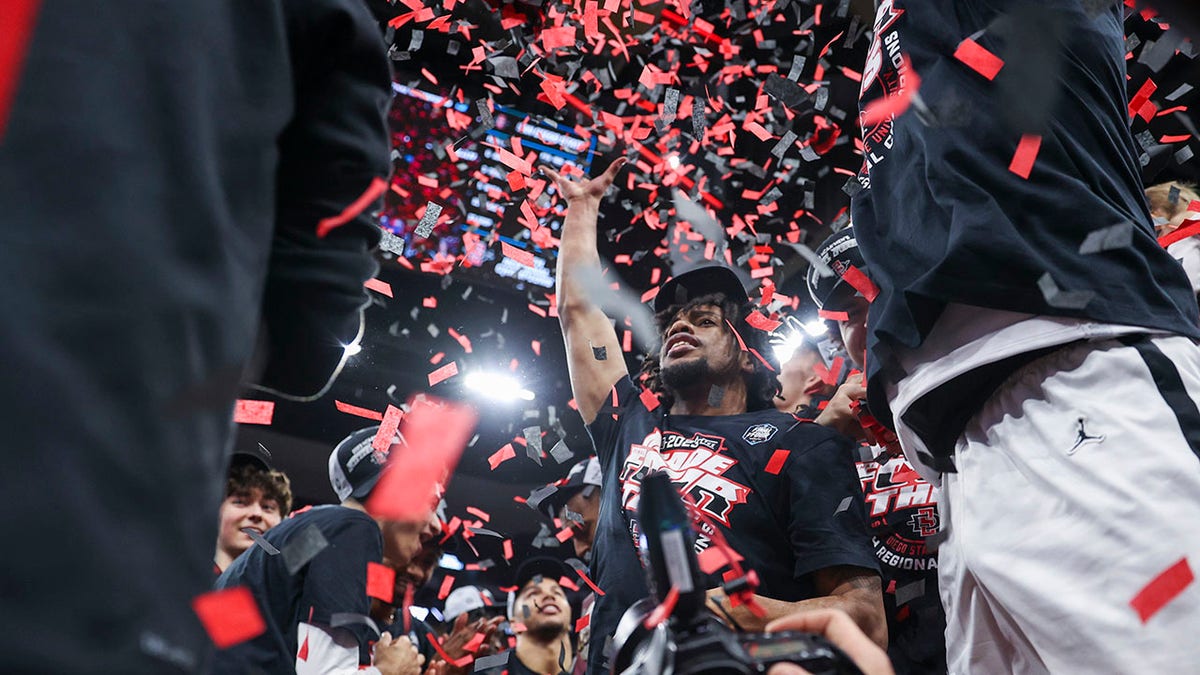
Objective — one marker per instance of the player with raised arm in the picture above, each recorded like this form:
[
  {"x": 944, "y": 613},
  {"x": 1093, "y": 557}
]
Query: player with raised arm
[{"x": 783, "y": 494}]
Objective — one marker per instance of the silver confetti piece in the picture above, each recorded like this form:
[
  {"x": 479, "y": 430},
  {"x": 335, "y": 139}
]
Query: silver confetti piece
[
  {"x": 1056, "y": 297},
  {"x": 428, "y": 220},
  {"x": 909, "y": 592},
  {"x": 845, "y": 504},
  {"x": 784, "y": 143},
  {"x": 561, "y": 453},
  {"x": 260, "y": 540},
  {"x": 1107, "y": 239},
  {"x": 492, "y": 661},
  {"x": 339, "y": 619}
]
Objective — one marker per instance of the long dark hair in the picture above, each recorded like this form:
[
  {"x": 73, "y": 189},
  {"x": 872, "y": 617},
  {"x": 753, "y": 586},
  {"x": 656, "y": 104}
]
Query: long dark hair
[{"x": 762, "y": 385}]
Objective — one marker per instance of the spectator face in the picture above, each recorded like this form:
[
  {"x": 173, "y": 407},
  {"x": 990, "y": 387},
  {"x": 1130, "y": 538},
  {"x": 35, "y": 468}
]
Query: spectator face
[
  {"x": 543, "y": 608},
  {"x": 402, "y": 542},
  {"x": 800, "y": 382},
  {"x": 242, "y": 510},
  {"x": 583, "y": 533}
]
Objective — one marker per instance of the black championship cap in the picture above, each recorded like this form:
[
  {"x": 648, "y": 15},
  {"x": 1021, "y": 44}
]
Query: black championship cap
[
  {"x": 839, "y": 252},
  {"x": 354, "y": 466},
  {"x": 584, "y": 474},
  {"x": 533, "y": 568},
  {"x": 700, "y": 281},
  {"x": 257, "y": 457}
]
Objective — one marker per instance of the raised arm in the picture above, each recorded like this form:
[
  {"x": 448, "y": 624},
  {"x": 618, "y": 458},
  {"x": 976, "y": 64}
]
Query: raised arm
[{"x": 594, "y": 358}]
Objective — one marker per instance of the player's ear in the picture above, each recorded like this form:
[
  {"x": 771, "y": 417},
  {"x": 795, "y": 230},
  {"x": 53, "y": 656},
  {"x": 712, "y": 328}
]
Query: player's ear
[{"x": 746, "y": 362}]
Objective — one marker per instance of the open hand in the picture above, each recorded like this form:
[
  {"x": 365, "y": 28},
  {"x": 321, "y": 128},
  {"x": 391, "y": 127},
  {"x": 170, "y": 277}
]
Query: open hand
[{"x": 589, "y": 188}]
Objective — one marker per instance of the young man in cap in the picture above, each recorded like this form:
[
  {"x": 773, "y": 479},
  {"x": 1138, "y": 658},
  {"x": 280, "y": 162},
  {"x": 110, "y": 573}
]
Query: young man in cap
[
  {"x": 257, "y": 498},
  {"x": 1020, "y": 303},
  {"x": 311, "y": 584},
  {"x": 540, "y": 607},
  {"x": 901, "y": 506},
  {"x": 783, "y": 493},
  {"x": 575, "y": 502}
]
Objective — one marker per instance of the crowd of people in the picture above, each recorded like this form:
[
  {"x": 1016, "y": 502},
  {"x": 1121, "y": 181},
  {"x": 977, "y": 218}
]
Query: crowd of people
[{"x": 988, "y": 465}]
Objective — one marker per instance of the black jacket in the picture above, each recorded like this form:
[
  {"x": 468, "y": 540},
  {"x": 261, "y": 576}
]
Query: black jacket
[{"x": 163, "y": 170}]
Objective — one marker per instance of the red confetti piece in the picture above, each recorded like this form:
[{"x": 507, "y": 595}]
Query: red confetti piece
[
  {"x": 378, "y": 286},
  {"x": 537, "y": 347},
  {"x": 757, "y": 320},
  {"x": 714, "y": 558},
  {"x": 508, "y": 549},
  {"x": 521, "y": 256},
  {"x": 377, "y": 187},
  {"x": 355, "y": 410},
  {"x": 1187, "y": 229},
  {"x": 1142, "y": 97},
  {"x": 664, "y": 610},
  {"x": 775, "y": 465},
  {"x": 1162, "y": 590},
  {"x": 479, "y": 513},
  {"x": 387, "y": 430},
  {"x": 1026, "y": 155},
  {"x": 444, "y": 589},
  {"x": 501, "y": 456},
  {"x": 445, "y": 372},
  {"x": 833, "y": 316},
  {"x": 591, "y": 584},
  {"x": 381, "y": 582},
  {"x": 649, "y": 399},
  {"x": 430, "y": 302},
  {"x": 564, "y": 535},
  {"x": 303, "y": 653},
  {"x": 253, "y": 412},
  {"x": 229, "y": 616},
  {"x": 18, "y": 18},
  {"x": 861, "y": 283},
  {"x": 736, "y": 334},
  {"x": 474, "y": 643},
  {"x": 882, "y": 109},
  {"x": 582, "y": 622},
  {"x": 979, "y": 59},
  {"x": 435, "y": 432}
]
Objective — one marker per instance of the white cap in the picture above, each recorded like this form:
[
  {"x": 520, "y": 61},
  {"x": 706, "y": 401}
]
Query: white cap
[{"x": 464, "y": 599}]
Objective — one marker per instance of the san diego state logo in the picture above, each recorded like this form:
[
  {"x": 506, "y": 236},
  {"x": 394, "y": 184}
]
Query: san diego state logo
[{"x": 759, "y": 433}]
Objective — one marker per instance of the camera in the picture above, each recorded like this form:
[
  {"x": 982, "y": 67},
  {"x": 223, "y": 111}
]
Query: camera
[{"x": 691, "y": 641}]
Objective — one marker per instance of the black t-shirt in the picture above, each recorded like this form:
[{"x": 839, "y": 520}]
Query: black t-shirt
[
  {"x": 514, "y": 666},
  {"x": 333, "y": 582},
  {"x": 806, "y": 516},
  {"x": 940, "y": 217},
  {"x": 902, "y": 510}
]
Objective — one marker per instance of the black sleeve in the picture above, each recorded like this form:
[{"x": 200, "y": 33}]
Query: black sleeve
[
  {"x": 335, "y": 580},
  {"x": 828, "y": 522},
  {"x": 334, "y": 151},
  {"x": 604, "y": 429}
]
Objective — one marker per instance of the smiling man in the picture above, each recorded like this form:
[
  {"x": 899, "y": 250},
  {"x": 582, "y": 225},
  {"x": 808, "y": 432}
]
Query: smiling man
[
  {"x": 257, "y": 498},
  {"x": 541, "y": 607},
  {"x": 783, "y": 494}
]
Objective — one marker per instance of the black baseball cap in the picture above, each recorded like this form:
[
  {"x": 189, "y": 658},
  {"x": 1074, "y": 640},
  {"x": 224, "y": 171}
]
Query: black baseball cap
[
  {"x": 539, "y": 566},
  {"x": 839, "y": 253},
  {"x": 584, "y": 474},
  {"x": 355, "y": 466},
  {"x": 699, "y": 282},
  {"x": 257, "y": 457}
]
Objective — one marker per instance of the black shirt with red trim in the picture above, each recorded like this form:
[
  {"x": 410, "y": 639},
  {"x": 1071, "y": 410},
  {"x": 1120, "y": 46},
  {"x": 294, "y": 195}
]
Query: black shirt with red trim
[{"x": 784, "y": 494}]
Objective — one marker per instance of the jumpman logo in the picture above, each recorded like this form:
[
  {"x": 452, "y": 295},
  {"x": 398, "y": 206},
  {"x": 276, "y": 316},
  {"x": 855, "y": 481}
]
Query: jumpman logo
[{"x": 1083, "y": 437}]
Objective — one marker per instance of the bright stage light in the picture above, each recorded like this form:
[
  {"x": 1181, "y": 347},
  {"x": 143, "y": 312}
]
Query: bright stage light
[
  {"x": 498, "y": 386},
  {"x": 816, "y": 328},
  {"x": 352, "y": 349}
]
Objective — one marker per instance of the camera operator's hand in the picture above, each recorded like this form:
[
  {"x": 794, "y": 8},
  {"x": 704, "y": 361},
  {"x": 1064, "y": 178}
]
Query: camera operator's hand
[
  {"x": 837, "y": 627},
  {"x": 397, "y": 656}
]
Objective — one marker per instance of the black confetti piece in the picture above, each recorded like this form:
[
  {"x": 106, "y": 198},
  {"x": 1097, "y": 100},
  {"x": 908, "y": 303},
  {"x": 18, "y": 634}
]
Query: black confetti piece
[
  {"x": 307, "y": 544},
  {"x": 492, "y": 661},
  {"x": 909, "y": 592},
  {"x": 716, "y": 394},
  {"x": 339, "y": 619}
]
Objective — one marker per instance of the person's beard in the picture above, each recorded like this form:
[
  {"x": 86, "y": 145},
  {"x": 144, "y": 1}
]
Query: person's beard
[{"x": 686, "y": 374}]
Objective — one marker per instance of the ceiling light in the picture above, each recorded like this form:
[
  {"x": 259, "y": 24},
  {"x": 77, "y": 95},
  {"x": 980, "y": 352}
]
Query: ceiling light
[{"x": 497, "y": 386}]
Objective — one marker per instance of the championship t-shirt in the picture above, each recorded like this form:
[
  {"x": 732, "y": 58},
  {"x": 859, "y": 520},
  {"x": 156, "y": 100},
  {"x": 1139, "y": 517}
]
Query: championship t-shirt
[
  {"x": 784, "y": 494},
  {"x": 902, "y": 511},
  {"x": 334, "y": 581},
  {"x": 943, "y": 210}
]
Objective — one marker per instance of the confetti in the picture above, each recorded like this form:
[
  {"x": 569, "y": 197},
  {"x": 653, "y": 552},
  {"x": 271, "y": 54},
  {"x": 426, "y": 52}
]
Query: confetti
[
  {"x": 501, "y": 456},
  {"x": 1162, "y": 589},
  {"x": 445, "y": 372},
  {"x": 520, "y": 256},
  {"x": 845, "y": 504},
  {"x": 716, "y": 394},
  {"x": 376, "y": 189},
  {"x": 303, "y": 548},
  {"x": 230, "y": 616},
  {"x": 910, "y": 592},
  {"x": 1107, "y": 239},
  {"x": 1056, "y": 297},
  {"x": 1026, "y": 155},
  {"x": 775, "y": 465},
  {"x": 436, "y": 433},
  {"x": 381, "y": 287},
  {"x": 561, "y": 453},
  {"x": 355, "y": 410},
  {"x": 386, "y": 432},
  {"x": 381, "y": 582},
  {"x": 428, "y": 220},
  {"x": 253, "y": 412},
  {"x": 444, "y": 589},
  {"x": 979, "y": 59},
  {"x": 260, "y": 540}
]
